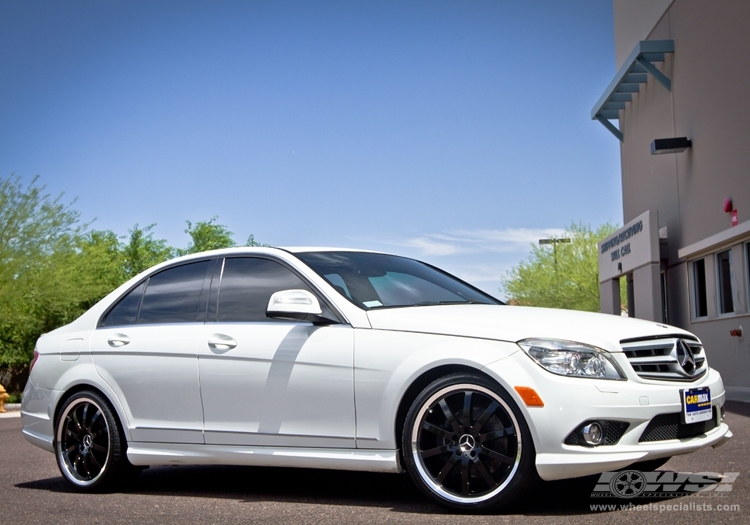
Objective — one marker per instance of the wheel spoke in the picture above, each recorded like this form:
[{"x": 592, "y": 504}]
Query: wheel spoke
[
  {"x": 486, "y": 415},
  {"x": 86, "y": 466},
  {"x": 467, "y": 409},
  {"x": 98, "y": 448},
  {"x": 429, "y": 427},
  {"x": 95, "y": 462},
  {"x": 496, "y": 455},
  {"x": 446, "y": 469},
  {"x": 71, "y": 448},
  {"x": 96, "y": 416},
  {"x": 75, "y": 421},
  {"x": 451, "y": 419},
  {"x": 465, "y": 476},
  {"x": 435, "y": 451},
  {"x": 484, "y": 473},
  {"x": 85, "y": 412},
  {"x": 508, "y": 431},
  {"x": 76, "y": 463}
]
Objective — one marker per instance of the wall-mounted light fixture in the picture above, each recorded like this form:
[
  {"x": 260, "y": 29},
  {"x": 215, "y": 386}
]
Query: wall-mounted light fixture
[{"x": 675, "y": 145}]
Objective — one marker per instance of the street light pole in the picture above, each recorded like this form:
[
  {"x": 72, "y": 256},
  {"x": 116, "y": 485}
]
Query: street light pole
[{"x": 554, "y": 242}]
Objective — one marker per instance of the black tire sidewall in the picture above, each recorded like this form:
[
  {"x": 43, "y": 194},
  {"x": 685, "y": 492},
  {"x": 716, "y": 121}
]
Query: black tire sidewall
[{"x": 525, "y": 474}]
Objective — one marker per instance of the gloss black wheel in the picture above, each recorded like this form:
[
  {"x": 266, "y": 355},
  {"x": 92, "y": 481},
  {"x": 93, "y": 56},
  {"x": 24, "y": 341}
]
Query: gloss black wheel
[
  {"x": 466, "y": 444},
  {"x": 89, "y": 444}
]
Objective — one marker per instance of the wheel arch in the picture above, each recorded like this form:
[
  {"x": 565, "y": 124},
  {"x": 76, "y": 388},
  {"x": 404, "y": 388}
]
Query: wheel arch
[
  {"x": 419, "y": 384},
  {"x": 90, "y": 387}
]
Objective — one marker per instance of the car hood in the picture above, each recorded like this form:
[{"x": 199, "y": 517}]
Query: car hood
[{"x": 513, "y": 323}]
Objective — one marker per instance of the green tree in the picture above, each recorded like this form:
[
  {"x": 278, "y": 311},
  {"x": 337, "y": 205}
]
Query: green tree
[
  {"x": 38, "y": 235},
  {"x": 142, "y": 251},
  {"x": 252, "y": 242},
  {"x": 561, "y": 275},
  {"x": 205, "y": 235},
  {"x": 99, "y": 265}
]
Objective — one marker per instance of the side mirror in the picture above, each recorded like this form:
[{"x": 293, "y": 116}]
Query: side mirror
[{"x": 300, "y": 305}]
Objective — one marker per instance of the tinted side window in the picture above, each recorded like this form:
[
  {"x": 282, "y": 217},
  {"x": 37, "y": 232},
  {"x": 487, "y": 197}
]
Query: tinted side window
[
  {"x": 126, "y": 311},
  {"x": 247, "y": 284},
  {"x": 173, "y": 296}
]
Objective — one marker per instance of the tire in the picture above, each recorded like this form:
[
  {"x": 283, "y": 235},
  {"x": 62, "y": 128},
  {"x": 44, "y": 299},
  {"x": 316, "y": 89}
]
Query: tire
[
  {"x": 467, "y": 446},
  {"x": 90, "y": 444}
]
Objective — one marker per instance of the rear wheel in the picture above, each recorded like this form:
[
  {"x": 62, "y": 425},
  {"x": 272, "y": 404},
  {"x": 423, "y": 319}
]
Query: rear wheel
[
  {"x": 466, "y": 444},
  {"x": 89, "y": 443}
]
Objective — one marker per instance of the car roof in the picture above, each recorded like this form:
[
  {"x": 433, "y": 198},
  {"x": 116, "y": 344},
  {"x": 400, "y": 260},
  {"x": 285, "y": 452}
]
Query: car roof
[{"x": 303, "y": 249}]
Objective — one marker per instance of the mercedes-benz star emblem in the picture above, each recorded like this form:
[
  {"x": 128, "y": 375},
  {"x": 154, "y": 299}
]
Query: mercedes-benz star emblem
[
  {"x": 466, "y": 442},
  {"x": 685, "y": 356}
]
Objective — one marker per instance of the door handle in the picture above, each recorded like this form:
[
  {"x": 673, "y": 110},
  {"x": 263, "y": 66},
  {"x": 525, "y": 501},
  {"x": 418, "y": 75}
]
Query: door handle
[
  {"x": 221, "y": 342},
  {"x": 118, "y": 340}
]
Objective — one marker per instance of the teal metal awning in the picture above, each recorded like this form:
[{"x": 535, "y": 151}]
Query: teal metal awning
[{"x": 632, "y": 74}]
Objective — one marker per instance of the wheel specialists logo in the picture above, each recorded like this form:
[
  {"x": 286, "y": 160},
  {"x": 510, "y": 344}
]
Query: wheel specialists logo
[{"x": 628, "y": 484}]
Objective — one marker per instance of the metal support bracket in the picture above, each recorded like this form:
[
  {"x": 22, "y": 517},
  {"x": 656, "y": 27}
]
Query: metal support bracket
[{"x": 658, "y": 75}]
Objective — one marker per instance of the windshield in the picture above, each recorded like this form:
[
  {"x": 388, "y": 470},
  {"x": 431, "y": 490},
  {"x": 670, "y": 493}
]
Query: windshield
[{"x": 375, "y": 280}]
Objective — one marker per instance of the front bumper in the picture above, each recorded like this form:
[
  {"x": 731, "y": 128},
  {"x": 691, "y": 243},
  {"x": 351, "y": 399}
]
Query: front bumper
[{"x": 569, "y": 401}]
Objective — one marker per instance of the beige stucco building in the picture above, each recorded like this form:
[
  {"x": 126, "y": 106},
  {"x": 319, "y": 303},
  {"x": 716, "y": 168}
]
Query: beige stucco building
[{"x": 685, "y": 248}]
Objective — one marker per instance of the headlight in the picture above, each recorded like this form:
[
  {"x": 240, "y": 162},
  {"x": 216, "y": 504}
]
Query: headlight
[{"x": 566, "y": 358}]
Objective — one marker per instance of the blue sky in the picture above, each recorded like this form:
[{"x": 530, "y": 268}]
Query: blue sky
[{"x": 455, "y": 132}]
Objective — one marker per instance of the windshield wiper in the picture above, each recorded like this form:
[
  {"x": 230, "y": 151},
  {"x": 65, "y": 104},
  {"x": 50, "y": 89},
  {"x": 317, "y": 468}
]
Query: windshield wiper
[{"x": 438, "y": 303}]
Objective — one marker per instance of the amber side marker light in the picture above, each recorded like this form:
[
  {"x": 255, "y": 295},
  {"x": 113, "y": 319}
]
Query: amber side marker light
[{"x": 529, "y": 396}]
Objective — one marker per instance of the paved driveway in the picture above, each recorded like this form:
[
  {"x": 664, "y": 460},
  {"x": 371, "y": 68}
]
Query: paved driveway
[{"x": 32, "y": 491}]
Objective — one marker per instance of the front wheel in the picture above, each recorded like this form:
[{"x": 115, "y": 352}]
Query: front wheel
[
  {"x": 466, "y": 444},
  {"x": 89, "y": 443}
]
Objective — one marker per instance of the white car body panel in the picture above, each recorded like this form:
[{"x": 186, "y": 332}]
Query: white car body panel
[
  {"x": 272, "y": 367},
  {"x": 320, "y": 458},
  {"x": 514, "y": 323},
  {"x": 163, "y": 357}
]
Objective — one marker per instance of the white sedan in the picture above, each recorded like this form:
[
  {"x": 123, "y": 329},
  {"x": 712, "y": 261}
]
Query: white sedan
[{"x": 355, "y": 360}]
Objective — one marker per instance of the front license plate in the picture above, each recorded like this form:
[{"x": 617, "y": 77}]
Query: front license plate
[{"x": 696, "y": 405}]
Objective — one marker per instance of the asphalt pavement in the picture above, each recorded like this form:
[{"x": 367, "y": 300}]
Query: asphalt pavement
[{"x": 32, "y": 491}]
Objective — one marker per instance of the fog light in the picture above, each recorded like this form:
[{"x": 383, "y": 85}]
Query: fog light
[{"x": 592, "y": 434}]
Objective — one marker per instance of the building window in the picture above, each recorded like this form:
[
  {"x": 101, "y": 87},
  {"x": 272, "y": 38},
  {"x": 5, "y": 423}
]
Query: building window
[
  {"x": 724, "y": 270},
  {"x": 700, "y": 305}
]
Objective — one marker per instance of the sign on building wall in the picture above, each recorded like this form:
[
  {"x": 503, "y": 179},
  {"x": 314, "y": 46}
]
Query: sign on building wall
[{"x": 632, "y": 246}]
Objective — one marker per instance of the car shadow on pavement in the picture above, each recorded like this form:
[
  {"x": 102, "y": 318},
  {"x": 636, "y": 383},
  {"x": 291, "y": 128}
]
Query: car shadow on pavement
[
  {"x": 738, "y": 407},
  {"x": 328, "y": 487}
]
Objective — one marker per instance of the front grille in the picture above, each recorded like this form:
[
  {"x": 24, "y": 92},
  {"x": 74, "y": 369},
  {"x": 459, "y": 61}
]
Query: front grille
[
  {"x": 613, "y": 431},
  {"x": 670, "y": 426},
  {"x": 661, "y": 358}
]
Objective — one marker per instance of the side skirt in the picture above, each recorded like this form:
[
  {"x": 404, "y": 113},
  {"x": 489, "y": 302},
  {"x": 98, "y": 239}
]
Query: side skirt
[{"x": 322, "y": 458}]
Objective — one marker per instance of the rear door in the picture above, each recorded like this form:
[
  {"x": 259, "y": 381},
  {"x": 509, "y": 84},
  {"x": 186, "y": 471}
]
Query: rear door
[{"x": 146, "y": 350}]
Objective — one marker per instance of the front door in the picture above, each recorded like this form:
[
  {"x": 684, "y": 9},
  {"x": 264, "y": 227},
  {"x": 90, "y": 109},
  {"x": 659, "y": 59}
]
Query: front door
[{"x": 268, "y": 382}]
